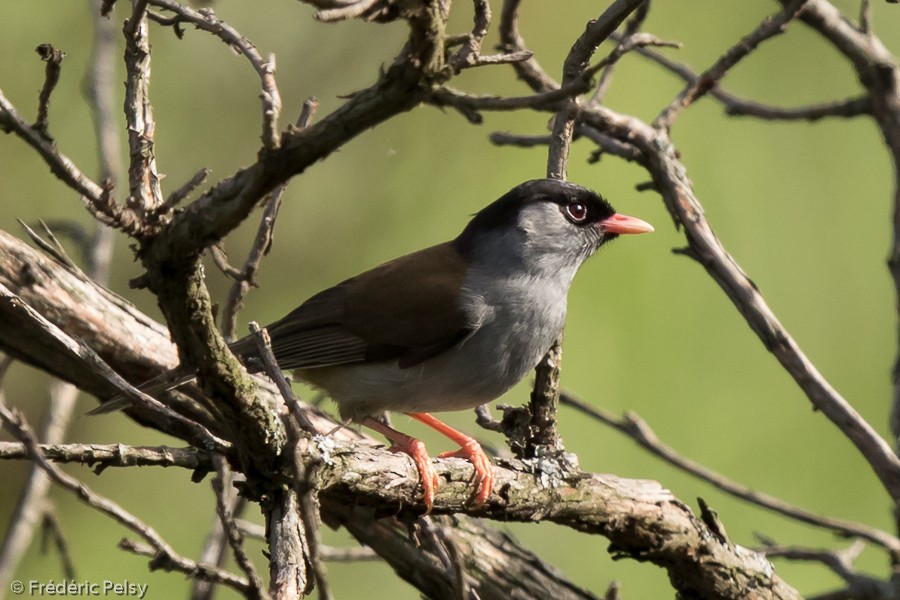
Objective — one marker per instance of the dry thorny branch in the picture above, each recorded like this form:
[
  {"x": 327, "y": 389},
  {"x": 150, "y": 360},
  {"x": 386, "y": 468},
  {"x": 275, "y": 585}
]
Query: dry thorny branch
[{"x": 273, "y": 448}]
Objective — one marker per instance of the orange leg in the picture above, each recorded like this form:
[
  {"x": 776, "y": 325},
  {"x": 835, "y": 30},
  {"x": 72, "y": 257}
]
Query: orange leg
[
  {"x": 469, "y": 450},
  {"x": 415, "y": 449}
]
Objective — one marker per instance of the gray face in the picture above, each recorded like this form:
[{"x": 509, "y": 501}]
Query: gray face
[
  {"x": 552, "y": 241},
  {"x": 542, "y": 241}
]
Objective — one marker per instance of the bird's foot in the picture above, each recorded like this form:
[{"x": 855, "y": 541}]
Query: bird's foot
[
  {"x": 484, "y": 472},
  {"x": 428, "y": 476},
  {"x": 470, "y": 450},
  {"x": 415, "y": 448}
]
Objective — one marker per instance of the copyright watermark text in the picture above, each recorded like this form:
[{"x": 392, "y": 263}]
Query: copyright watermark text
[{"x": 71, "y": 587}]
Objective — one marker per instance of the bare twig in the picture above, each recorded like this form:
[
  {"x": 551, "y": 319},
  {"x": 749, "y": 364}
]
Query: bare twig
[
  {"x": 770, "y": 27},
  {"x": 522, "y": 141},
  {"x": 145, "y": 195},
  {"x": 484, "y": 419},
  {"x": 52, "y": 531},
  {"x": 178, "y": 196},
  {"x": 506, "y": 58},
  {"x": 528, "y": 70},
  {"x": 627, "y": 43},
  {"x": 246, "y": 277},
  {"x": 551, "y": 100},
  {"x": 850, "y": 107},
  {"x": 215, "y": 548},
  {"x": 51, "y": 245},
  {"x": 737, "y": 106},
  {"x": 612, "y": 592},
  {"x": 631, "y": 27},
  {"x": 308, "y": 112},
  {"x": 270, "y": 364},
  {"x": 262, "y": 243},
  {"x": 235, "y": 537},
  {"x": 53, "y": 58},
  {"x": 638, "y": 430},
  {"x": 545, "y": 394},
  {"x": 102, "y": 456},
  {"x": 220, "y": 258},
  {"x": 206, "y": 20},
  {"x": 60, "y": 164},
  {"x": 32, "y": 503},
  {"x": 310, "y": 510},
  {"x": 865, "y": 16},
  {"x": 468, "y": 104},
  {"x": 163, "y": 553},
  {"x": 607, "y": 144},
  {"x": 181, "y": 564},
  {"x": 859, "y": 586},
  {"x": 471, "y": 48}
]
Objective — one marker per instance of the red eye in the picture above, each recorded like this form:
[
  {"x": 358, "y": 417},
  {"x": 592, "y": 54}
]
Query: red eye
[{"x": 576, "y": 211}]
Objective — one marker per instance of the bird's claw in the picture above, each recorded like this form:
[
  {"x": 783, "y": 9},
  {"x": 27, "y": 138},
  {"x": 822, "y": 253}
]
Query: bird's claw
[
  {"x": 428, "y": 476},
  {"x": 484, "y": 473}
]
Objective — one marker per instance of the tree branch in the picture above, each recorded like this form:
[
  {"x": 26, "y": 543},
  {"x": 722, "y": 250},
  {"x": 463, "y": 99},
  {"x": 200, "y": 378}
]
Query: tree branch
[
  {"x": 145, "y": 195},
  {"x": 53, "y": 58},
  {"x": 60, "y": 164},
  {"x": 103, "y": 456},
  {"x": 206, "y": 20},
  {"x": 770, "y": 27},
  {"x": 638, "y": 430},
  {"x": 163, "y": 552}
]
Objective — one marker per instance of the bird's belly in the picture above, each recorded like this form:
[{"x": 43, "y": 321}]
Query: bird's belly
[{"x": 482, "y": 368}]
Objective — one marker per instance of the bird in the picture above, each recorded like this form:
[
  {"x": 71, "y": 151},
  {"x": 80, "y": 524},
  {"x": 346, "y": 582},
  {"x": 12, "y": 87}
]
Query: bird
[
  {"x": 449, "y": 327},
  {"x": 452, "y": 326}
]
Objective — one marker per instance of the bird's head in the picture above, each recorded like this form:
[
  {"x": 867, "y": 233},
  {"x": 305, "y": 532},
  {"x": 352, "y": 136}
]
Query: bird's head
[{"x": 544, "y": 225}]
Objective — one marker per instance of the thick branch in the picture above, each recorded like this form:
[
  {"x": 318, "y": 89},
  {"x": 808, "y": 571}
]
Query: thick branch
[{"x": 658, "y": 527}]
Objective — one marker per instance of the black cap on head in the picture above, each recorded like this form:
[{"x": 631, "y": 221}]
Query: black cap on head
[{"x": 504, "y": 211}]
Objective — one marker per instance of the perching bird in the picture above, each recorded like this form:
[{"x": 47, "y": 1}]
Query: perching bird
[{"x": 452, "y": 326}]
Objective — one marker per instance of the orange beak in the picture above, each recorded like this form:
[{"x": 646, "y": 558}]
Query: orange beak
[{"x": 623, "y": 224}]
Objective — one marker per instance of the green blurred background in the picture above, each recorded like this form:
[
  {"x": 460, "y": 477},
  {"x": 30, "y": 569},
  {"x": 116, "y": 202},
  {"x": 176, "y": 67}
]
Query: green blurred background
[{"x": 804, "y": 208}]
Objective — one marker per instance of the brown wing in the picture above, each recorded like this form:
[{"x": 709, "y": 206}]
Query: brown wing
[{"x": 405, "y": 309}]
